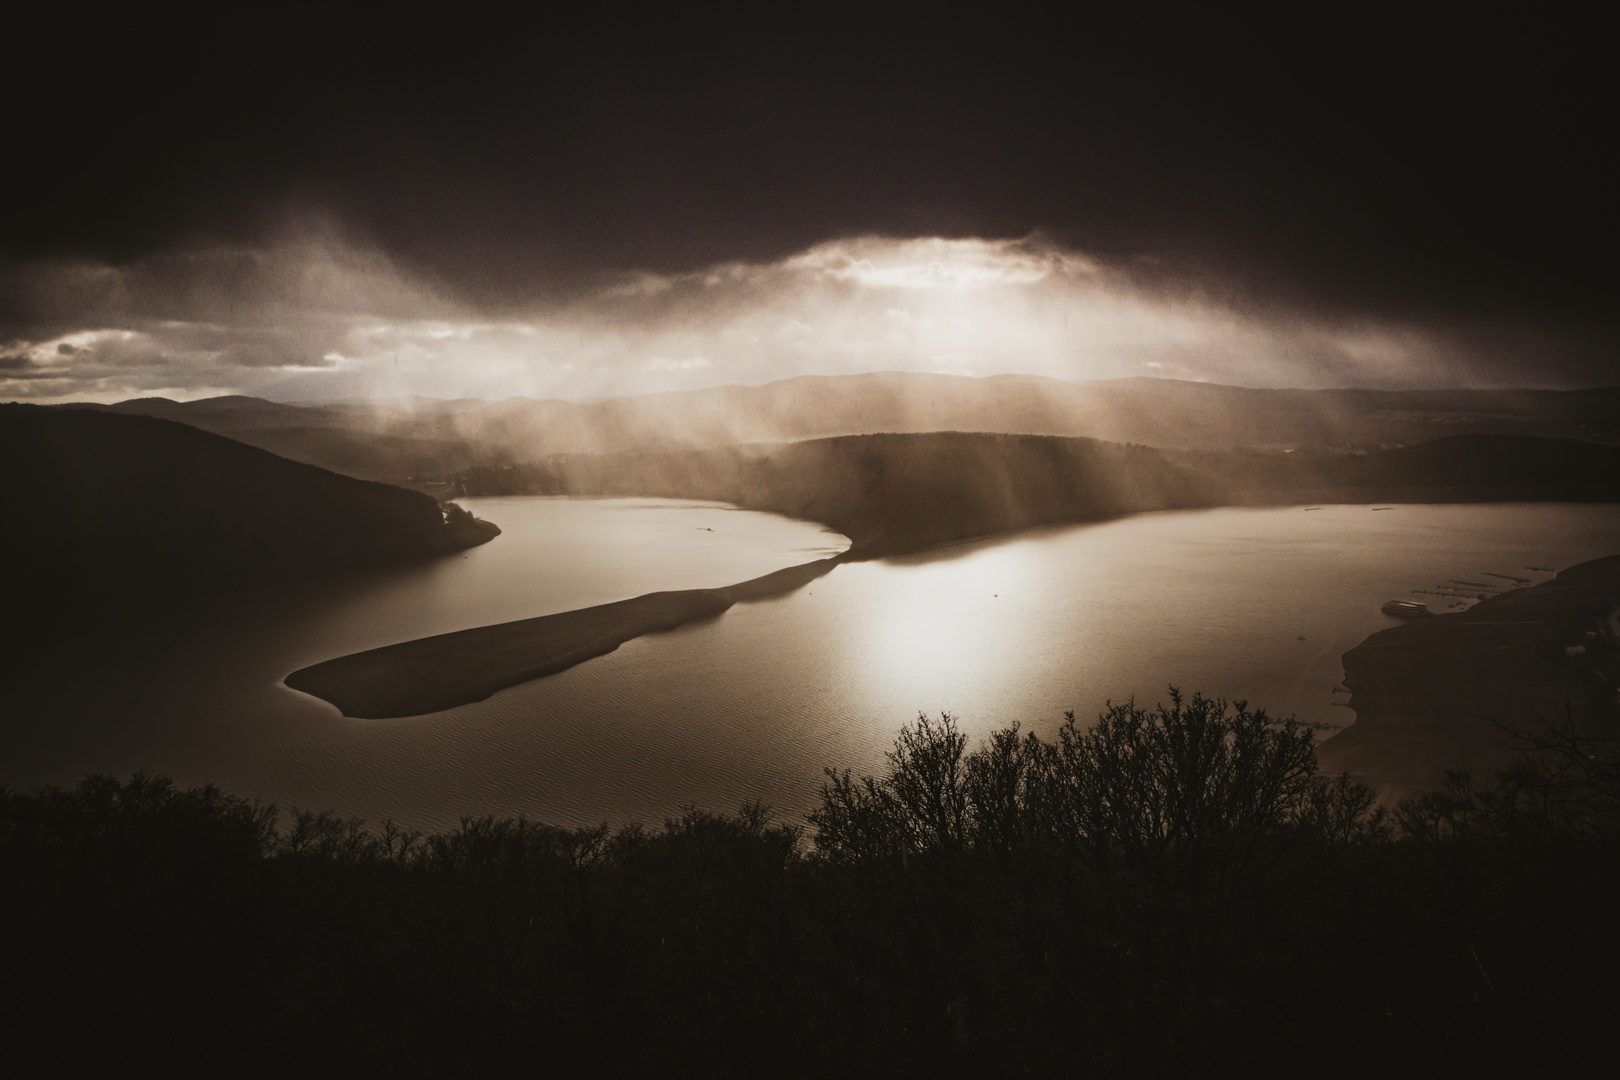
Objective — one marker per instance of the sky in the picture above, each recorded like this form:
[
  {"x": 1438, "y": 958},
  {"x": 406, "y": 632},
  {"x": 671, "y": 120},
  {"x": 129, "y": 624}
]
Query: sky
[{"x": 579, "y": 210}]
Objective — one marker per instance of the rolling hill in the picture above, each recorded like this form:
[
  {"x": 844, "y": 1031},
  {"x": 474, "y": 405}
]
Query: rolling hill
[
  {"x": 107, "y": 507},
  {"x": 413, "y": 441},
  {"x": 895, "y": 492}
]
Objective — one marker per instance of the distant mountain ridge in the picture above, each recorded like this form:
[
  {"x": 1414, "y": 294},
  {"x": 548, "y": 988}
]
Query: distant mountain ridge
[{"x": 387, "y": 441}]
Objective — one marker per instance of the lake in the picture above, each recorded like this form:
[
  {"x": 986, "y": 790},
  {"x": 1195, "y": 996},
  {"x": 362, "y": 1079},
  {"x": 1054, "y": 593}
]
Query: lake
[{"x": 1255, "y": 603}]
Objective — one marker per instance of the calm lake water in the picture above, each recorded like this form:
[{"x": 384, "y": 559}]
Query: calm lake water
[{"x": 752, "y": 705}]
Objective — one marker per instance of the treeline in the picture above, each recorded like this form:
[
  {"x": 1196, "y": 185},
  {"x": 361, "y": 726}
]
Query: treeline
[
  {"x": 1457, "y": 468},
  {"x": 1169, "y": 892},
  {"x": 906, "y": 492}
]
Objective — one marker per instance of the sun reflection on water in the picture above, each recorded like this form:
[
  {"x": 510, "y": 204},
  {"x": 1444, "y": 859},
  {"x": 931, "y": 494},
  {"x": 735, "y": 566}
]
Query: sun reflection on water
[{"x": 942, "y": 620}]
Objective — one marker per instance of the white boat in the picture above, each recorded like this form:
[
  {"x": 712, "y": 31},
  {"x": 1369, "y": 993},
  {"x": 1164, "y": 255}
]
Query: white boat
[{"x": 1406, "y": 609}]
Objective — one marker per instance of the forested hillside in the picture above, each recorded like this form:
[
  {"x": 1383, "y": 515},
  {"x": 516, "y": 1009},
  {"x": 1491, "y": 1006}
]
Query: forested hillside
[
  {"x": 904, "y": 492},
  {"x": 104, "y": 506}
]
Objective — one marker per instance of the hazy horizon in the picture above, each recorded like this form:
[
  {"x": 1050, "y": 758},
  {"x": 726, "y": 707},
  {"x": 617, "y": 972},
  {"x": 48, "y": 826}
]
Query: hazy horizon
[{"x": 408, "y": 401}]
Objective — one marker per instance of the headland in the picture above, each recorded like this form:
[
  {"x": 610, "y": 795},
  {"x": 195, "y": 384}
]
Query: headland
[{"x": 446, "y": 670}]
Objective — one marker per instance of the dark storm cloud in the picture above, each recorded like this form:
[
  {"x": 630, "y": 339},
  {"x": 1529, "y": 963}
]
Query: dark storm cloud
[
  {"x": 325, "y": 319},
  {"x": 303, "y": 269},
  {"x": 1453, "y": 178},
  {"x": 196, "y": 318}
]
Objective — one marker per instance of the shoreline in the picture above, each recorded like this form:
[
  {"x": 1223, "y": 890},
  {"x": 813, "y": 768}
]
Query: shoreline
[
  {"x": 440, "y": 672},
  {"x": 444, "y": 671},
  {"x": 1420, "y": 690},
  {"x": 1450, "y": 691}
]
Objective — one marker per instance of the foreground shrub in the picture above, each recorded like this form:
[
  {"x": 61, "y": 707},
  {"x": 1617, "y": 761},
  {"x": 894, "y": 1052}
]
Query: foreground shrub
[
  {"x": 1197, "y": 780},
  {"x": 1173, "y": 891}
]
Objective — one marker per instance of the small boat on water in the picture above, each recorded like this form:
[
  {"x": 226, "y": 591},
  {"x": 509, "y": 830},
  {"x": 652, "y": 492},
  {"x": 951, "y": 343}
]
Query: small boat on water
[{"x": 1406, "y": 609}]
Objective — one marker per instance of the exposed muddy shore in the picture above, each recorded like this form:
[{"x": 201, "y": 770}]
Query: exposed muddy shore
[{"x": 1448, "y": 692}]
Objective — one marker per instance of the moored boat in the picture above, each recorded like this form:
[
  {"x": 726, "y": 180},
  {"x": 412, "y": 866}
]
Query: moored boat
[{"x": 1406, "y": 609}]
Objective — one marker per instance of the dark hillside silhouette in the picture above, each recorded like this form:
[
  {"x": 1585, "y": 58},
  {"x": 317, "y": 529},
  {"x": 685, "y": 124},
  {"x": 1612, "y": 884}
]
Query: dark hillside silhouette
[
  {"x": 892, "y": 493},
  {"x": 1454, "y": 468},
  {"x": 393, "y": 459},
  {"x": 387, "y": 442},
  {"x": 105, "y": 507},
  {"x": 888, "y": 492}
]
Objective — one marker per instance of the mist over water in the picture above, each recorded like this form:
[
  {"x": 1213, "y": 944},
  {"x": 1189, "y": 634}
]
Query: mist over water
[{"x": 753, "y": 704}]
